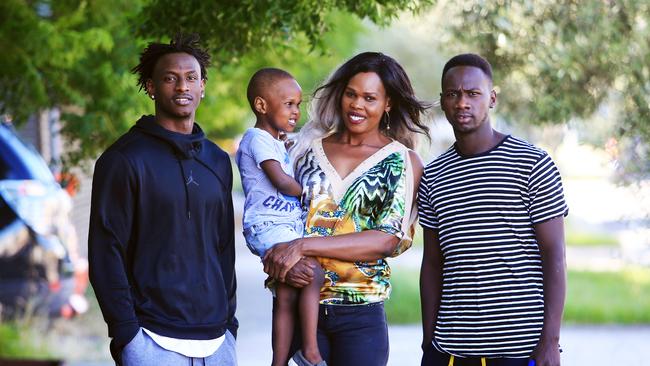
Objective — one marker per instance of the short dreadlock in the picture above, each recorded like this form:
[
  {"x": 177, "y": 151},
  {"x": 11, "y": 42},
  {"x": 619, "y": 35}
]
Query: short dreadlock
[{"x": 180, "y": 43}]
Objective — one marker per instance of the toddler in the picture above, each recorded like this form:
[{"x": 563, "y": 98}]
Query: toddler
[{"x": 272, "y": 212}]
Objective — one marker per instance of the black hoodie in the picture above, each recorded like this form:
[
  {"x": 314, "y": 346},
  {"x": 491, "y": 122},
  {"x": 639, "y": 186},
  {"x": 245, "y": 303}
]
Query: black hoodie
[{"x": 161, "y": 240}]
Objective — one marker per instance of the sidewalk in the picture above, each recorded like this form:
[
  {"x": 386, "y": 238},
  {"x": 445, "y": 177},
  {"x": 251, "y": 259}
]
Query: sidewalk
[{"x": 582, "y": 344}]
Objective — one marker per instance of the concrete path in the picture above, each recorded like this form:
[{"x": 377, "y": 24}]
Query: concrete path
[{"x": 582, "y": 345}]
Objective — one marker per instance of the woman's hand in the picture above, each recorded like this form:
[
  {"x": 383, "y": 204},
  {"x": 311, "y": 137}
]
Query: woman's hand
[
  {"x": 301, "y": 274},
  {"x": 281, "y": 258}
]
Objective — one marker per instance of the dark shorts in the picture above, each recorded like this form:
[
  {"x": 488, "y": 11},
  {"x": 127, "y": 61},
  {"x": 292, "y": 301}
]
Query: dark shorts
[{"x": 433, "y": 357}]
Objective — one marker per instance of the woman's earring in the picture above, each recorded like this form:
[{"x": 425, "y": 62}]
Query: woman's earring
[
  {"x": 387, "y": 121},
  {"x": 152, "y": 97}
]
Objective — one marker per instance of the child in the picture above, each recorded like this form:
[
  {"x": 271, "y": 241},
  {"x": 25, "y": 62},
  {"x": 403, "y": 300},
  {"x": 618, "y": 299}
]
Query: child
[{"x": 272, "y": 212}]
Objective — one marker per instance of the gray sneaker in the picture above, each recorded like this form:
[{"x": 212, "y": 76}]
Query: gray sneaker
[{"x": 300, "y": 360}]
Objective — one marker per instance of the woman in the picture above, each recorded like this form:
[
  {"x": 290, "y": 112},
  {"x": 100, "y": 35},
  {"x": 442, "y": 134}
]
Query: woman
[{"x": 359, "y": 180}]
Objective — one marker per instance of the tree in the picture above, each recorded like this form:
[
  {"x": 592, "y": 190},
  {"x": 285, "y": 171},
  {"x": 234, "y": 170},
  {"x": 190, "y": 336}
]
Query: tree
[
  {"x": 77, "y": 55},
  {"x": 236, "y": 28},
  {"x": 225, "y": 111},
  {"x": 561, "y": 61}
]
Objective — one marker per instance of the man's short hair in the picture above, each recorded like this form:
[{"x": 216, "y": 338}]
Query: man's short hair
[
  {"x": 262, "y": 80},
  {"x": 180, "y": 43},
  {"x": 468, "y": 59}
]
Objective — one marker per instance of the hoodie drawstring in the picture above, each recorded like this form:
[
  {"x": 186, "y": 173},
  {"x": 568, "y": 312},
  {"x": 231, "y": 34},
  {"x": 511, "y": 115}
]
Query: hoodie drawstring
[{"x": 187, "y": 194}]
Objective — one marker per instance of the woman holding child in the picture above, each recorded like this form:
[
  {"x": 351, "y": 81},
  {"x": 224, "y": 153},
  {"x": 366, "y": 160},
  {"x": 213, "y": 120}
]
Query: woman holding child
[{"x": 359, "y": 178}]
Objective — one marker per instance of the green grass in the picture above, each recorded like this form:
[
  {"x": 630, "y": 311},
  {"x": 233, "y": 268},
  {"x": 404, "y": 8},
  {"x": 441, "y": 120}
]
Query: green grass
[
  {"x": 581, "y": 234},
  {"x": 418, "y": 238},
  {"x": 403, "y": 307},
  {"x": 578, "y": 238},
  {"x": 592, "y": 297},
  {"x": 17, "y": 340},
  {"x": 236, "y": 178},
  {"x": 608, "y": 297}
]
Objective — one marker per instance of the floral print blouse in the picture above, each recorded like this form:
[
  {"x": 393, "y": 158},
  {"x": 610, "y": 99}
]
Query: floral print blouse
[{"x": 376, "y": 195}]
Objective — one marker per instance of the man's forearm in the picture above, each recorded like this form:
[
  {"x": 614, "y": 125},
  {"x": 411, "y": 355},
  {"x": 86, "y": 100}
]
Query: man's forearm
[
  {"x": 111, "y": 215},
  {"x": 113, "y": 294},
  {"x": 550, "y": 238},
  {"x": 430, "y": 283},
  {"x": 554, "y": 270},
  {"x": 429, "y": 299}
]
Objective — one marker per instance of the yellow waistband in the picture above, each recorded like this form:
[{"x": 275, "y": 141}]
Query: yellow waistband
[{"x": 451, "y": 361}]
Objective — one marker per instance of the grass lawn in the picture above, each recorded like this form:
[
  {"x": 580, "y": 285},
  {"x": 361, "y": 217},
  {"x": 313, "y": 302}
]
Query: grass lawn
[
  {"x": 582, "y": 238},
  {"x": 403, "y": 307},
  {"x": 17, "y": 340},
  {"x": 581, "y": 235},
  {"x": 592, "y": 297},
  {"x": 608, "y": 297},
  {"x": 35, "y": 336}
]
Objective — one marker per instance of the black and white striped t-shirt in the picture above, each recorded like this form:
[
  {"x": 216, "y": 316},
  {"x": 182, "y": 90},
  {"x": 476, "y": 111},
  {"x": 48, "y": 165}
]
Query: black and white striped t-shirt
[{"x": 484, "y": 208}]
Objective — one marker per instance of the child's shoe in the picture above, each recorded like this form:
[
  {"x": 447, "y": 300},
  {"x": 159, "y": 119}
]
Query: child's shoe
[{"x": 300, "y": 360}]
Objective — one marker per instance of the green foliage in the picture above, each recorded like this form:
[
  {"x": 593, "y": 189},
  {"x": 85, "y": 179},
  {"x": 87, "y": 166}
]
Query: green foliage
[
  {"x": 236, "y": 28},
  {"x": 77, "y": 56},
  {"x": 225, "y": 111},
  {"x": 556, "y": 61},
  {"x": 592, "y": 297},
  {"x": 15, "y": 341}
]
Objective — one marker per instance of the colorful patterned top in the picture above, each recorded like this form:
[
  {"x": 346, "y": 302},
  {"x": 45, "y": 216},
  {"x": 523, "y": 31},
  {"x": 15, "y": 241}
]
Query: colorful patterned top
[{"x": 376, "y": 195}]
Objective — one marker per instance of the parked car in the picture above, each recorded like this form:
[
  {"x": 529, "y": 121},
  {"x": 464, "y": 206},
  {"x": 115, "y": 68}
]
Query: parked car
[{"x": 40, "y": 268}]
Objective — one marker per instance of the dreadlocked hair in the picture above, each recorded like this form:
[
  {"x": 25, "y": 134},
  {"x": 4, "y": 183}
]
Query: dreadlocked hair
[{"x": 180, "y": 43}]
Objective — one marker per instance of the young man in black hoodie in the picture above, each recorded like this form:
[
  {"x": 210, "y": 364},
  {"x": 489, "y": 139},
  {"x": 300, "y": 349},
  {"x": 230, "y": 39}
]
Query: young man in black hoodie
[{"x": 161, "y": 241}]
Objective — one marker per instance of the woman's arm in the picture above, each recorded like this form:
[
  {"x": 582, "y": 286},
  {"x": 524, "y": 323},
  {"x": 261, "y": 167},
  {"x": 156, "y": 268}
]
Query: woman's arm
[{"x": 368, "y": 245}]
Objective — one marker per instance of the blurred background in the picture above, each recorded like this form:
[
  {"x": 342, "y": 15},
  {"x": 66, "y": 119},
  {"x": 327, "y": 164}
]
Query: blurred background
[{"x": 571, "y": 77}]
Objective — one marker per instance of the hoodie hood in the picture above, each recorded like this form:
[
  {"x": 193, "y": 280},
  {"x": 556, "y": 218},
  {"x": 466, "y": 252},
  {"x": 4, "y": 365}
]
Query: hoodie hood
[{"x": 185, "y": 146}]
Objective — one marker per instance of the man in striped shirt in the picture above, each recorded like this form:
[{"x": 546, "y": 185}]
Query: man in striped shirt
[{"x": 493, "y": 277}]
